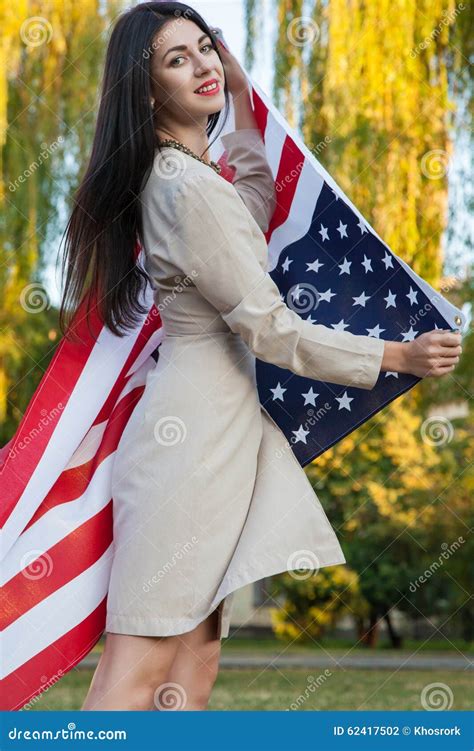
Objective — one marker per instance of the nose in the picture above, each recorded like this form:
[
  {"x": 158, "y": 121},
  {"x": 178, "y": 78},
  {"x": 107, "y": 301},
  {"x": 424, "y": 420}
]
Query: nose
[{"x": 202, "y": 66}]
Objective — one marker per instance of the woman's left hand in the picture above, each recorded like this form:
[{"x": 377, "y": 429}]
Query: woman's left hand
[{"x": 234, "y": 73}]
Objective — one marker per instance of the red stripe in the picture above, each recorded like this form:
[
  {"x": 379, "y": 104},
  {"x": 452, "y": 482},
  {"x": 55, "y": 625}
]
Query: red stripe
[
  {"x": 50, "y": 571},
  {"x": 38, "y": 424},
  {"x": 152, "y": 323},
  {"x": 73, "y": 483},
  {"x": 260, "y": 111},
  {"x": 51, "y": 664},
  {"x": 288, "y": 175}
]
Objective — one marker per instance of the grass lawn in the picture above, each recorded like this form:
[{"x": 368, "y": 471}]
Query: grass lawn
[{"x": 275, "y": 689}]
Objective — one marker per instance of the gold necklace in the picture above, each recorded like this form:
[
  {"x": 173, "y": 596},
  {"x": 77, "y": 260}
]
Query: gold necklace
[{"x": 181, "y": 147}]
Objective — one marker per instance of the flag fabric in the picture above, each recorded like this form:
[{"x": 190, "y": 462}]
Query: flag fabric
[{"x": 56, "y": 514}]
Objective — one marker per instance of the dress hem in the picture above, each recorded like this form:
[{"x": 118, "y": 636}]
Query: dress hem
[{"x": 138, "y": 626}]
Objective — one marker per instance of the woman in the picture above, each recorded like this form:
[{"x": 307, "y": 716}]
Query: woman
[{"x": 207, "y": 494}]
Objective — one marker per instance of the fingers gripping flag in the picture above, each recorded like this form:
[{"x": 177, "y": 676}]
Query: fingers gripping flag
[{"x": 56, "y": 512}]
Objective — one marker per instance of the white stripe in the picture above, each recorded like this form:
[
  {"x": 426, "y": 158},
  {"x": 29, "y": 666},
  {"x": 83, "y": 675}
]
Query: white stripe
[
  {"x": 298, "y": 223},
  {"x": 275, "y": 137},
  {"x": 63, "y": 519},
  {"x": 88, "y": 447},
  {"x": 153, "y": 342},
  {"x": 92, "y": 440},
  {"x": 95, "y": 383},
  {"x": 55, "y": 615},
  {"x": 59, "y": 521}
]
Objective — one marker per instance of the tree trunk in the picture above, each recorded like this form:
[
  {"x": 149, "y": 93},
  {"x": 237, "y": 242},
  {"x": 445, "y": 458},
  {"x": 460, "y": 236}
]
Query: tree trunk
[
  {"x": 369, "y": 636},
  {"x": 395, "y": 638}
]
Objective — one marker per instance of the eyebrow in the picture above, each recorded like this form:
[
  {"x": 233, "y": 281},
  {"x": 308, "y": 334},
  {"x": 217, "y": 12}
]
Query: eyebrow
[{"x": 183, "y": 46}]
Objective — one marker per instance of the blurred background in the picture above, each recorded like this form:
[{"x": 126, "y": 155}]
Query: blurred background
[{"x": 381, "y": 92}]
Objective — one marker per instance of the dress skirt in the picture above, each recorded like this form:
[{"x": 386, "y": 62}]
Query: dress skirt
[{"x": 207, "y": 493}]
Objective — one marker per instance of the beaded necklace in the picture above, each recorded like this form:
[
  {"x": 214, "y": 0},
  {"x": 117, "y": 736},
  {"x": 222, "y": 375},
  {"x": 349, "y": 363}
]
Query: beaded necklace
[{"x": 181, "y": 147}]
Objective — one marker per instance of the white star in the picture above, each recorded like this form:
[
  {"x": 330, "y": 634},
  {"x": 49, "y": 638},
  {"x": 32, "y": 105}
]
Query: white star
[
  {"x": 309, "y": 397},
  {"x": 387, "y": 260},
  {"x": 362, "y": 226},
  {"x": 376, "y": 331},
  {"x": 335, "y": 194},
  {"x": 340, "y": 326},
  {"x": 345, "y": 267},
  {"x": 326, "y": 296},
  {"x": 278, "y": 392},
  {"x": 412, "y": 296},
  {"x": 342, "y": 229},
  {"x": 311, "y": 320},
  {"x": 390, "y": 300},
  {"x": 345, "y": 401},
  {"x": 300, "y": 434},
  {"x": 286, "y": 264},
  {"x": 314, "y": 266},
  {"x": 324, "y": 233},
  {"x": 361, "y": 300},
  {"x": 366, "y": 263},
  {"x": 408, "y": 336},
  {"x": 391, "y": 373},
  {"x": 296, "y": 292}
]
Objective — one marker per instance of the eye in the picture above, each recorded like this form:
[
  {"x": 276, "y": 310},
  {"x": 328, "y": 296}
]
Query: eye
[
  {"x": 177, "y": 58},
  {"x": 207, "y": 45}
]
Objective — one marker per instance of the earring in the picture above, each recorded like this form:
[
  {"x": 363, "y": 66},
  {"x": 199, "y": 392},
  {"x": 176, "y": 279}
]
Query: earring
[{"x": 152, "y": 103}]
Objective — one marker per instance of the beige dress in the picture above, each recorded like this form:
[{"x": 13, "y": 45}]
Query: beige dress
[{"x": 207, "y": 493}]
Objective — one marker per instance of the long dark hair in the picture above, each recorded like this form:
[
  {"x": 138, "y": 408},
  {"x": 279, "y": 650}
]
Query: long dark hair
[{"x": 99, "y": 261}]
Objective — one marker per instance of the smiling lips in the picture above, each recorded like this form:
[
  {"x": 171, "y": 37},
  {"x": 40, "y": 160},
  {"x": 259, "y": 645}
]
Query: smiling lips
[{"x": 208, "y": 89}]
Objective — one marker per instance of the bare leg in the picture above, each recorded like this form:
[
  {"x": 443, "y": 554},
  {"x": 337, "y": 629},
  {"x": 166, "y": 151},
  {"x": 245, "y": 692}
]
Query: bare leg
[
  {"x": 129, "y": 671},
  {"x": 194, "y": 669}
]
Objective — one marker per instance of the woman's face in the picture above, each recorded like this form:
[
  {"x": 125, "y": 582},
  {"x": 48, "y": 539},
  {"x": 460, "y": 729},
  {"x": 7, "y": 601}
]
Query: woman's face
[{"x": 178, "y": 73}]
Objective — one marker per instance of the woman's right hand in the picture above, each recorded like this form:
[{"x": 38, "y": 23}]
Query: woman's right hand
[{"x": 433, "y": 354}]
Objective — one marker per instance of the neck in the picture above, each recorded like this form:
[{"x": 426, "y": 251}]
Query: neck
[{"x": 194, "y": 139}]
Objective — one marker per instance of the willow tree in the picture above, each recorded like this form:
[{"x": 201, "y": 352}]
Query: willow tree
[
  {"x": 381, "y": 83},
  {"x": 50, "y": 53}
]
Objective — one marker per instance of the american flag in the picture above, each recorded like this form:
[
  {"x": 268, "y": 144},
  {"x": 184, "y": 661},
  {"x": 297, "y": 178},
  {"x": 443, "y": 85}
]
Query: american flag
[{"x": 56, "y": 515}]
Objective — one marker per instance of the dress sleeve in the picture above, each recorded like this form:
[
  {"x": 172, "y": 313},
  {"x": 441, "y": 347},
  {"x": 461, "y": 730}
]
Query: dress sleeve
[
  {"x": 253, "y": 179},
  {"x": 215, "y": 246}
]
